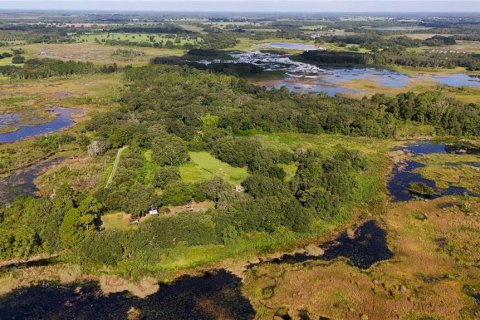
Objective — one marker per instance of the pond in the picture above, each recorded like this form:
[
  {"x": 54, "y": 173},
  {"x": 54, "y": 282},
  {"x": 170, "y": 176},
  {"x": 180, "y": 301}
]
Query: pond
[
  {"x": 305, "y": 77},
  {"x": 215, "y": 295},
  {"x": 403, "y": 173},
  {"x": 63, "y": 120},
  {"x": 22, "y": 181}
]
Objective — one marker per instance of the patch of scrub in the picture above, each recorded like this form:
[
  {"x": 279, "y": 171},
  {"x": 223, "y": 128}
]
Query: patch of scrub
[{"x": 23, "y": 181}]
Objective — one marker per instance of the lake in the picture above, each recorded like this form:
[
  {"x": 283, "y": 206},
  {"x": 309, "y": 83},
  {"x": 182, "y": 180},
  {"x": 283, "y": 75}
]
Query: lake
[{"x": 63, "y": 120}]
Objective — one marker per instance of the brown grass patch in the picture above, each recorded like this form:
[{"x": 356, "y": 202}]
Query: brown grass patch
[{"x": 422, "y": 279}]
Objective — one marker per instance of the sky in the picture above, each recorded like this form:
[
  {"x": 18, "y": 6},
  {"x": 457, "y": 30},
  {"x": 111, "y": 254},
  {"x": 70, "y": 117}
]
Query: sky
[{"x": 392, "y": 6}]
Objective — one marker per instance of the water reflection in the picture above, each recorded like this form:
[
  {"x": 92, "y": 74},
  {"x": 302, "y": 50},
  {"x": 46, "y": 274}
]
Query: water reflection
[
  {"x": 306, "y": 77},
  {"x": 216, "y": 295}
]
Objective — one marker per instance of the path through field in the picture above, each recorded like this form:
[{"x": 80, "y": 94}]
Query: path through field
[{"x": 115, "y": 165}]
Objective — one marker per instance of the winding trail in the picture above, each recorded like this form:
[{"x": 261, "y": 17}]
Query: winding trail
[{"x": 115, "y": 165}]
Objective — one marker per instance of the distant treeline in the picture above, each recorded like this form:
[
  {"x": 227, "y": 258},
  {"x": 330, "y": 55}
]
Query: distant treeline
[
  {"x": 377, "y": 42},
  {"x": 237, "y": 69},
  {"x": 46, "y": 68},
  {"x": 411, "y": 59},
  {"x": 164, "y": 28}
]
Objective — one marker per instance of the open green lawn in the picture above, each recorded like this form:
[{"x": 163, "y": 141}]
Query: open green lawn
[
  {"x": 204, "y": 166},
  {"x": 117, "y": 220}
]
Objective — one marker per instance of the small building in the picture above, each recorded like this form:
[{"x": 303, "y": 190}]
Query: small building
[{"x": 153, "y": 210}]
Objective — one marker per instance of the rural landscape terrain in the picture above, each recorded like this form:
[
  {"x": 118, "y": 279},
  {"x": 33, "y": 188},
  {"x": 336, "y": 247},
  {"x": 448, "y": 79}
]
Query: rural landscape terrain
[{"x": 239, "y": 166}]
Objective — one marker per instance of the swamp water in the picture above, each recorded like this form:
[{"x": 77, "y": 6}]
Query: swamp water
[
  {"x": 404, "y": 173},
  {"x": 367, "y": 246},
  {"x": 63, "y": 120},
  {"x": 22, "y": 181},
  {"x": 212, "y": 296},
  {"x": 306, "y": 77}
]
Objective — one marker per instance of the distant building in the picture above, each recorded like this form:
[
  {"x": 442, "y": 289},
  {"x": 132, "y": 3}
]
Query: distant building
[{"x": 153, "y": 210}]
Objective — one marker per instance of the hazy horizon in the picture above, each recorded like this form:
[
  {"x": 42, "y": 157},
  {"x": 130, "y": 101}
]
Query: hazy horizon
[{"x": 352, "y": 6}]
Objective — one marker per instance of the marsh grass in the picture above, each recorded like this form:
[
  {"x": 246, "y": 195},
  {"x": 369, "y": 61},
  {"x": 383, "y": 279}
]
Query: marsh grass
[
  {"x": 451, "y": 170},
  {"x": 421, "y": 279}
]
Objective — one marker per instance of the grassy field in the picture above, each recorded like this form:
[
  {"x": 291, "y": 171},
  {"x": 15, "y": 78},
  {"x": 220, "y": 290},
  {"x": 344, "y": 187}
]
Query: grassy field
[
  {"x": 7, "y": 62},
  {"x": 117, "y": 220},
  {"x": 96, "y": 53},
  {"x": 138, "y": 37},
  {"x": 204, "y": 166},
  {"x": 247, "y": 44},
  {"x": 418, "y": 85}
]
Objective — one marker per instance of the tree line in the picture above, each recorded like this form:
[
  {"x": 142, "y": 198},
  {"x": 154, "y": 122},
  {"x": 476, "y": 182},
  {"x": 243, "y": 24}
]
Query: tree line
[
  {"x": 46, "y": 68},
  {"x": 450, "y": 60}
]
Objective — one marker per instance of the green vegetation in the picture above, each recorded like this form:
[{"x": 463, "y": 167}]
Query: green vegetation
[
  {"x": 235, "y": 170},
  {"x": 451, "y": 170},
  {"x": 421, "y": 189},
  {"x": 117, "y": 220},
  {"x": 141, "y": 39},
  {"x": 204, "y": 166}
]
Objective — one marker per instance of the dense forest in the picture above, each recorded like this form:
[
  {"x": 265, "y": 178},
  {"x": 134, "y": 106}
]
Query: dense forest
[{"x": 376, "y": 42}]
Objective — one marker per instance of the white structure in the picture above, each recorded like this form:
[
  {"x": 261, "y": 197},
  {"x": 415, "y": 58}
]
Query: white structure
[
  {"x": 239, "y": 188},
  {"x": 153, "y": 211}
]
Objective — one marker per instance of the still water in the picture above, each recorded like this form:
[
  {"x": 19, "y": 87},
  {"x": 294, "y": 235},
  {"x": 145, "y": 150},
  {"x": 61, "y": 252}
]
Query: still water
[
  {"x": 63, "y": 120},
  {"x": 404, "y": 173}
]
